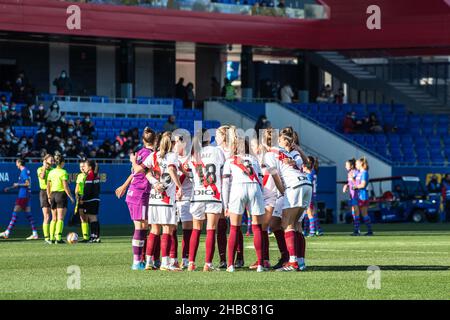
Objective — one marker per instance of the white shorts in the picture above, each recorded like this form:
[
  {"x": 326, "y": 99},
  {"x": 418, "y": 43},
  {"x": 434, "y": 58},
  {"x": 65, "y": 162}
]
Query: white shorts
[
  {"x": 278, "y": 209},
  {"x": 246, "y": 196},
  {"x": 198, "y": 209},
  {"x": 183, "y": 211},
  {"x": 270, "y": 200},
  {"x": 299, "y": 197},
  {"x": 162, "y": 215}
]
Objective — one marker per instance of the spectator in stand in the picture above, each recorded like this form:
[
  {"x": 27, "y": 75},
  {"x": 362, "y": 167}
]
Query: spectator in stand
[
  {"x": 53, "y": 115},
  {"x": 215, "y": 87},
  {"x": 3, "y": 102},
  {"x": 434, "y": 186},
  {"x": 40, "y": 138},
  {"x": 180, "y": 90},
  {"x": 286, "y": 93},
  {"x": 349, "y": 123},
  {"x": 339, "y": 96},
  {"x": 261, "y": 124},
  {"x": 228, "y": 90},
  {"x": 13, "y": 116},
  {"x": 374, "y": 124},
  {"x": 322, "y": 98},
  {"x": 190, "y": 96},
  {"x": 63, "y": 84},
  {"x": 446, "y": 197},
  {"x": 89, "y": 146},
  {"x": 39, "y": 114},
  {"x": 170, "y": 125},
  {"x": 88, "y": 126},
  {"x": 121, "y": 138},
  {"x": 27, "y": 115},
  {"x": 281, "y": 4}
]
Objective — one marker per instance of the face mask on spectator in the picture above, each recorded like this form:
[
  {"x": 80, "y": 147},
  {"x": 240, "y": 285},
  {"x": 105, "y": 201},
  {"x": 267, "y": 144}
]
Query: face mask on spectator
[
  {"x": 88, "y": 120},
  {"x": 90, "y": 143},
  {"x": 41, "y": 107},
  {"x": 15, "y": 141},
  {"x": 58, "y": 130},
  {"x": 69, "y": 142},
  {"x": 63, "y": 75},
  {"x": 8, "y": 138},
  {"x": 8, "y": 131},
  {"x": 122, "y": 155},
  {"x": 70, "y": 130}
]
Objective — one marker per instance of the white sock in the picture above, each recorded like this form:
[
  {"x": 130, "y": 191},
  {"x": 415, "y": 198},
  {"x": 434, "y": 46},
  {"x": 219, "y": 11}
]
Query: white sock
[
  {"x": 301, "y": 260},
  {"x": 35, "y": 233},
  {"x": 185, "y": 261},
  {"x": 292, "y": 258},
  {"x": 165, "y": 261},
  {"x": 149, "y": 260}
]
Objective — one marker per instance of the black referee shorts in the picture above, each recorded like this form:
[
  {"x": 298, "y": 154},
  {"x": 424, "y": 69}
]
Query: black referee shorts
[
  {"x": 58, "y": 200},
  {"x": 43, "y": 199},
  {"x": 91, "y": 207}
]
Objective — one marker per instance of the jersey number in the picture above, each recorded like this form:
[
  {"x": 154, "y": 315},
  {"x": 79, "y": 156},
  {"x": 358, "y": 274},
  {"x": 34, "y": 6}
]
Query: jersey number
[{"x": 208, "y": 175}]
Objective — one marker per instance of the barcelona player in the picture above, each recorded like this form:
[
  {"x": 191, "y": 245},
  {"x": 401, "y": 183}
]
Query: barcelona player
[{"x": 22, "y": 201}]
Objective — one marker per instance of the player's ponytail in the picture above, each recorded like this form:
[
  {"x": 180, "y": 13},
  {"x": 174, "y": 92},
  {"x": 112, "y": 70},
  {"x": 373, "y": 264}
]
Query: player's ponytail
[
  {"x": 165, "y": 145},
  {"x": 233, "y": 140},
  {"x": 92, "y": 164}
]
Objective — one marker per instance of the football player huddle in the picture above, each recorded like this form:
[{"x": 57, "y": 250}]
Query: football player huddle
[{"x": 210, "y": 182}]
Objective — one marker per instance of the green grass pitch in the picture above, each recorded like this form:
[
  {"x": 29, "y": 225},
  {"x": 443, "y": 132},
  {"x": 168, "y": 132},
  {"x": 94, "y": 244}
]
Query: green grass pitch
[{"x": 414, "y": 262}]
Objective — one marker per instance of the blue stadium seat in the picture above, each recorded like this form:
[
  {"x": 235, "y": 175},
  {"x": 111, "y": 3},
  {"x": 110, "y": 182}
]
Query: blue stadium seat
[
  {"x": 427, "y": 131},
  {"x": 126, "y": 124},
  {"x": 99, "y": 122},
  {"x": 117, "y": 123},
  {"x": 442, "y": 131},
  {"x": 108, "y": 123},
  {"x": 434, "y": 141}
]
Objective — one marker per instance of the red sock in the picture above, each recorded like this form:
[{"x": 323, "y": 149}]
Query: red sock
[
  {"x": 174, "y": 245},
  {"x": 281, "y": 242},
  {"x": 232, "y": 243},
  {"x": 222, "y": 239},
  {"x": 210, "y": 245},
  {"x": 193, "y": 244},
  {"x": 157, "y": 250},
  {"x": 150, "y": 245},
  {"x": 165, "y": 244},
  {"x": 185, "y": 243},
  {"x": 265, "y": 239},
  {"x": 258, "y": 242},
  {"x": 289, "y": 236},
  {"x": 240, "y": 246},
  {"x": 301, "y": 245}
]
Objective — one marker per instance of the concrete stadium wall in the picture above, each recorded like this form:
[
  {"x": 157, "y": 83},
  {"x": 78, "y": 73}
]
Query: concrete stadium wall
[{"x": 330, "y": 145}]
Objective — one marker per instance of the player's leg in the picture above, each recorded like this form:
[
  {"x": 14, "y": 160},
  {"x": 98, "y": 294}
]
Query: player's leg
[
  {"x": 53, "y": 224},
  {"x": 235, "y": 227},
  {"x": 258, "y": 242},
  {"x": 212, "y": 220},
  {"x": 355, "y": 214},
  {"x": 275, "y": 226},
  {"x": 197, "y": 225},
  {"x": 222, "y": 227},
  {"x": 240, "y": 244},
  {"x": 265, "y": 235},
  {"x": 140, "y": 230},
  {"x": 12, "y": 222},
  {"x": 46, "y": 213},
  {"x": 84, "y": 225},
  {"x": 312, "y": 222},
  {"x": 166, "y": 241},
  {"x": 301, "y": 245},
  {"x": 94, "y": 226},
  {"x": 366, "y": 218},
  {"x": 288, "y": 223},
  {"x": 152, "y": 238},
  {"x": 34, "y": 235},
  {"x": 61, "y": 213},
  {"x": 187, "y": 232}
]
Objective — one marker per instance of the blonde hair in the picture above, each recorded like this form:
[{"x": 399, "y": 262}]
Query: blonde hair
[
  {"x": 234, "y": 140},
  {"x": 223, "y": 131},
  {"x": 165, "y": 144},
  {"x": 364, "y": 163}
]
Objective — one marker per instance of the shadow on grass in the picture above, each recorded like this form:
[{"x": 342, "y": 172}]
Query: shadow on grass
[{"x": 382, "y": 268}]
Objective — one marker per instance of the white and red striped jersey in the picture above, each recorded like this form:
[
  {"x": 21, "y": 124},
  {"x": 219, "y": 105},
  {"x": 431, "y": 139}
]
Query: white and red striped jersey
[
  {"x": 290, "y": 175},
  {"x": 243, "y": 169},
  {"x": 207, "y": 174},
  {"x": 186, "y": 180},
  {"x": 160, "y": 170}
]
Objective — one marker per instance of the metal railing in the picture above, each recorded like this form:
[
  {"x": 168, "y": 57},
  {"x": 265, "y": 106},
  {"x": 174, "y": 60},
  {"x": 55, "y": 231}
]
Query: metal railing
[{"x": 68, "y": 160}]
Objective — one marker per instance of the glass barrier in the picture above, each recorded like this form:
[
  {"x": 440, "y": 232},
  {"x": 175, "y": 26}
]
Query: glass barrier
[{"x": 240, "y": 7}]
